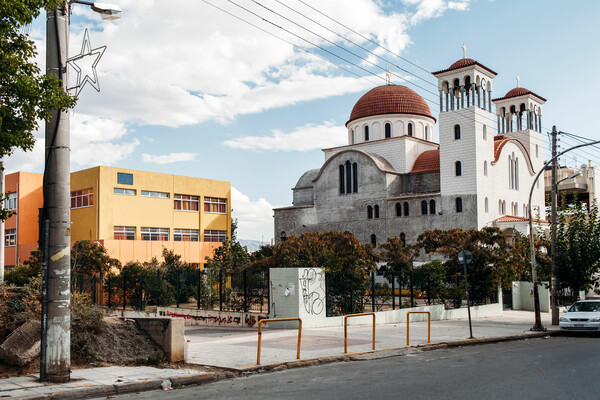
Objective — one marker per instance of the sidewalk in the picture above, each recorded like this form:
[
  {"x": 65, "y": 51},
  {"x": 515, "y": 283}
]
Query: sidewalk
[{"x": 235, "y": 349}]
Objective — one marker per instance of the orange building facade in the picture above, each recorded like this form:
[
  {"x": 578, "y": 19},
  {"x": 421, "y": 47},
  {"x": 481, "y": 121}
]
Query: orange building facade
[{"x": 134, "y": 214}]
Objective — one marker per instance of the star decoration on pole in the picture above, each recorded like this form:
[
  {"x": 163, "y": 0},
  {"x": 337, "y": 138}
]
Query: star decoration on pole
[{"x": 89, "y": 74}]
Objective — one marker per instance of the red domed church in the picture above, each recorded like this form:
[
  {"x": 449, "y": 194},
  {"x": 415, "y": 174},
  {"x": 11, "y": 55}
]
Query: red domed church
[{"x": 394, "y": 179}]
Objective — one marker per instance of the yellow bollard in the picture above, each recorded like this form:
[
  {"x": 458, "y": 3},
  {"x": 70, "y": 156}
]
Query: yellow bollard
[
  {"x": 428, "y": 324},
  {"x": 273, "y": 320},
  {"x": 346, "y": 328}
]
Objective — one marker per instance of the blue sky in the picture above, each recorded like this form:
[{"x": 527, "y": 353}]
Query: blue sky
[{"x": 188, "y": 89}]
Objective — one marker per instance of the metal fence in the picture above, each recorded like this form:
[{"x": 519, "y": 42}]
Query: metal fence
[{"x": 217, "y": 290}]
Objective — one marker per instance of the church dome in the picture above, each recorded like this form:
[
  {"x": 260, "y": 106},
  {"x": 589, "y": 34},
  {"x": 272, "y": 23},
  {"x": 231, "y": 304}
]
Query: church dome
[
  {"x": 390, "y": 99},
  {"x": 519, "y": 91},
  {"x": 463, "y": 62}
]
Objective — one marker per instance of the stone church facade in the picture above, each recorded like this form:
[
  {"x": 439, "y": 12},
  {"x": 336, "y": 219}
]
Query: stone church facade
[{"x": 392, "y": 179}]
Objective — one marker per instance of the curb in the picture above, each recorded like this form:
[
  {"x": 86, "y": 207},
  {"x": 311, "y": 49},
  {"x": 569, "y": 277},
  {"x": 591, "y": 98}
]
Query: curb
[{"x": 200, "y": 379}]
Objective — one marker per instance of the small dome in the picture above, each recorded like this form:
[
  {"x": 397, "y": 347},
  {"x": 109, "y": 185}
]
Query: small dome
[
  {"x": 463, "y": 62},
  {"x": 427, "y": 161},
  {"x": 306, "y": 180},
  {"x": 519, "y": 91},
  {"x": 390, "y": 99}
]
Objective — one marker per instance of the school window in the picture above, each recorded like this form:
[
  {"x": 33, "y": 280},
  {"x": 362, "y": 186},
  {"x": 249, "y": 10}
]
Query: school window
[
  {"x": 215, "y": 205},
  {"x": 124, "y": 178},
  {"x": 10, "y": 238},
  {"x": 124, "y": 233},
  {"x": 127, "y": 192},
  {"x": 82, "y": 198},
  {"x": 11, "y": 201},
  {"x": 218, "y": 236},
  {"x": 186, "y": 202},
  {"x": 155, "y": 234},
  {"x": 186, "y": 235},
  {"x": 159, "y": 195}
]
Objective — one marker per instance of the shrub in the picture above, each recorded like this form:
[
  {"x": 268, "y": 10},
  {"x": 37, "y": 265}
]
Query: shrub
[{"x": 86, "y": 322}]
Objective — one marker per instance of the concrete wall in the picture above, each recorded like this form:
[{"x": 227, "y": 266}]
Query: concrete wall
[
  {"x": 298, "y": 293},
  {"x": 168, "y": 333},
  {"x": 212, "y": 318},
  {"x": 522, "y": 296}
]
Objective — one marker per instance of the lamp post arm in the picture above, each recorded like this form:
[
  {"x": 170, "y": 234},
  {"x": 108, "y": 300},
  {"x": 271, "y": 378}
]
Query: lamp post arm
[{"x": 538, "y": 323}]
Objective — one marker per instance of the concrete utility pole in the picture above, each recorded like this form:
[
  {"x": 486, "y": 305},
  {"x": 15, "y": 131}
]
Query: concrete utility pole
[
  {"x": 553, "y": 280},
  {"x": 57, "y": 209}
]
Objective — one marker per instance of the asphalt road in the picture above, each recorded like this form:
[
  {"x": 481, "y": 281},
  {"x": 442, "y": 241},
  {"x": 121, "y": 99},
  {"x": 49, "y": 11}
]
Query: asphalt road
[{"x": 552, "y": 368}]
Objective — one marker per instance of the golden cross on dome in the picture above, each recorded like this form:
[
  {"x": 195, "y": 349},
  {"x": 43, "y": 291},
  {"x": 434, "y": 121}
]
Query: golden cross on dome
[
  {"x": 464, "y": 51},
  {"x": 518, "y": 79}
]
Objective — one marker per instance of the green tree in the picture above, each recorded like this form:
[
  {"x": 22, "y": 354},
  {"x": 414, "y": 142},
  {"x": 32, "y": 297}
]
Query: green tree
[
  {"x": 26, "y": 94},
  {"x": 91, "y": 258},
  {"x": 489, "y": 266},
  {"x": 578, "y": 247}
]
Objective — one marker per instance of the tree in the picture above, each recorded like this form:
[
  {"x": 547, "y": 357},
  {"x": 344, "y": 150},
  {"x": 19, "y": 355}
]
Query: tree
[
  {"x": 26, "y": 95},
  {"x": 488, "y": 268},
  {"x": 91, "y": 258},
  {"x": 578, "y": 247}
]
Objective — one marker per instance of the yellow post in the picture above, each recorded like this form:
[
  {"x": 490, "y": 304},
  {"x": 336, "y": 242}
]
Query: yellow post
[
  {"x": 428, "y": 324},
  {"x": 346, "y": 328},
  {"x": 274, "y": 320}
]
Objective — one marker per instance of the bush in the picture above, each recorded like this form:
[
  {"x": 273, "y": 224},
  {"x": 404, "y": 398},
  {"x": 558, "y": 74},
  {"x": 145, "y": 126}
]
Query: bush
[
  {"x": 86, "y": 322},
  {"x": 22, "y": 274}
]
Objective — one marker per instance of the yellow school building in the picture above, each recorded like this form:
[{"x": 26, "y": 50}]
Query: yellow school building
[{"x": 136, "y": 214}]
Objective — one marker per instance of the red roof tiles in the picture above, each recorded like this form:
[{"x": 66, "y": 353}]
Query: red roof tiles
[
  {"x": 499, "y": 142},
  {"x": 427, "y": 161},
  {"x": 464, "y": 62},
  {"x": 390, "y": 99},
  {"x": 519, "y": 91},
  {"x": 512, "y": 218}
]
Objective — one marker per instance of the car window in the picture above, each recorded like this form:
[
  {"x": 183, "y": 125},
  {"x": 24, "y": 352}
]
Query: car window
[{"x": 588, "y": 306}]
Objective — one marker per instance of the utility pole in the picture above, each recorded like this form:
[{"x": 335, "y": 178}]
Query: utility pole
[
  {"x": 57, "y": 210},
  {"x": 553, "y": 195}
]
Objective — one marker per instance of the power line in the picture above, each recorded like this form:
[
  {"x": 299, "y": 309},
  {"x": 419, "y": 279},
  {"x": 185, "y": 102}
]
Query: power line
[
  {"x": 288, "y": 42},
  {"x": 356, "y": 44}
]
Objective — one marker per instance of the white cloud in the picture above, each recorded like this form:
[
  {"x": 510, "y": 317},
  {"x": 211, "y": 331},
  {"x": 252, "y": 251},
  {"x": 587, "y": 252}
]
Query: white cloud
[
  {"x": 304, "y": 138},
  {"x": 255, "y": 218},
  {"x": 427, "y": 9},
  {"x": 169, "y": 158},
  {"x": 185, "y": 62}
]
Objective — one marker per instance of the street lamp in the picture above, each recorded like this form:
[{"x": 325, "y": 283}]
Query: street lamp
[
  {"x": 537, "y": 326},
  {"x": 55, "y": 355}
]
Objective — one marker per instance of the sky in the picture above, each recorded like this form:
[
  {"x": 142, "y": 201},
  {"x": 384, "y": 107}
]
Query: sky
[{"x": 251, "y": 91}]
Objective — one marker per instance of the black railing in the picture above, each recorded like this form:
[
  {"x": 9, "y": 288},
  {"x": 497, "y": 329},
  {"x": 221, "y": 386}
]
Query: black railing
[{"x": 245, "y": 291}]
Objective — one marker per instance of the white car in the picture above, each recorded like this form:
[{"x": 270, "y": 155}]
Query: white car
[{"x": 582, "y": 316}]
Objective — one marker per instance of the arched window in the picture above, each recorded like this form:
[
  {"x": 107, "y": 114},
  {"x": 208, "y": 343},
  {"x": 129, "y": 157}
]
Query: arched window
[
  {"x": 456, "y": 132},
  {"x": 500, "y": 207},
  {"x": 459, "y": 205},
  {"x": 406, "y": 209},
  {"x": 283, "y": 236},
  {"x": 366, "y": 133},
  {"x": 485, "y": 168},
  {"x": 376, "y": 209},
  {"x": 352, "y": 136},
  {"x": 516, "y": 169},
  {"x": 369, "y": 212},
  {"x": 484, "y": 132},
  {"x": 410, "y": 129},
  {"x": 348, "y": 178},
  {"x": 511, "y": 182},
  {"x": 525, "y": 211},
  {"x": 355, "y": 177},
  {"x": 458, "y": 168},
  {"x": 342, "y": 180},
  {"x": 431, "y": 206},
  {"x": 398, "y": 210},
  {"x": 424, "y": 207},
  {"x": 403, "y": 239},
  {"x": 503, "y": 207},
  {"x": 426, "y": 132},
  {"x": 388, "y": 130},
  {"x": 374, "y": 240},
  {"x": 487, "y": 209}
]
